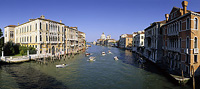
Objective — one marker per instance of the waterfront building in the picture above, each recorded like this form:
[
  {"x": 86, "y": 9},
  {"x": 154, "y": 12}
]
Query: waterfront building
[
  {"x": 134, "y": 48},
  {"x": 125, "y": 41},
  {"x": 81, "y": 41},
  {"x": 72, "y": 39},
  {"x": 94, "y": 42},
  {"x": 43, "y": 34},
  {"x": 181, "y": 38},
  {"x": 103, "y": 36},
  {"x": 9, "y": 33},
  {"x": 139, "y": 41},
  {"x": 47, "y": 36},
  {"x": 108, "y": 37},
  {"x": 153, "y": 42},
  {"x": 110, "y": 42}
]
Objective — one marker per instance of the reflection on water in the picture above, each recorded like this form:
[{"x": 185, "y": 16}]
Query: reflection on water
[
  {"x": 28, "y": 77},
  {"x": 104, "y": 73}
]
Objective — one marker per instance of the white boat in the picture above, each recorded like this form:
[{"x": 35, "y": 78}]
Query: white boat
[
  {"x": 91, "y": 59},
  {"x": 116, "y": 58},
  {"x": 109, "y": 52},
  {"x": 61, "y": 66},
  {"x": 87, "y": 54},
  {"x": 103, "y": 53}
]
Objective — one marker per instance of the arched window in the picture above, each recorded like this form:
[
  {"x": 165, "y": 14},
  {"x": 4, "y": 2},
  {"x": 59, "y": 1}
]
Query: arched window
[
  {"x": 46, "y": 26},
  {"x": 187, "y": 23},
  {"x": 30, "y": 38},
  {"x": 195, "y": 42},
  {"x": 195, "y": 23},
  {"x": 36, "y": 26},
  {"x": 46, "y": 38},
  {"x": 40, "y": 37},
  {"x": 58, "y": 28},
  {"x": 30, "y": 27},
  {"x": 40, "y": 25}
]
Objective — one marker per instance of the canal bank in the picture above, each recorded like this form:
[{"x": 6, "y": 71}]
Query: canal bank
[{"x": 104, "y": 73}]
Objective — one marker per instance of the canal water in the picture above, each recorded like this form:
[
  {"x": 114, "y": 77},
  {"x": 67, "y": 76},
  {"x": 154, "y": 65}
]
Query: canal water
[{"x": 103, "y": 73}]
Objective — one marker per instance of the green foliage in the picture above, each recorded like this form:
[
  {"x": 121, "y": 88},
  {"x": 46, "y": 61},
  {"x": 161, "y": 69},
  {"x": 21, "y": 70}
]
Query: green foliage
[
  {"x": 22, "y": 52},
  {"x": 10, "y": 48},
  {"x": 32, "y": 50}
]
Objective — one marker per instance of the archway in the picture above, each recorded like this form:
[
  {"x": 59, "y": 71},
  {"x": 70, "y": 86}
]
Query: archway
[{"x": 53, "y": 50}]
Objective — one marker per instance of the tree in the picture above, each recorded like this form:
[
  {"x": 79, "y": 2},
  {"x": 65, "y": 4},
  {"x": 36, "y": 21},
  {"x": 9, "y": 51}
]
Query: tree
[
  {"x": 9, "y": 48},
  {"x": 1, "y": 33}
]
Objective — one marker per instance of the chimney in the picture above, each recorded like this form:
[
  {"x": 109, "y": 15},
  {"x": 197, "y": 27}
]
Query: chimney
[
  {"x": 42, "y": 17},
  {"x": 60, "y": 21},
  {"x": 184, "y": 4},
  {"x": 167, "y": 17}
]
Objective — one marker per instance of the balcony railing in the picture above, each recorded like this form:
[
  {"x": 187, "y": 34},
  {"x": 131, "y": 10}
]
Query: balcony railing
[
  {"x": 186, "y": 50},
  {"x": 196, "y": 50}
]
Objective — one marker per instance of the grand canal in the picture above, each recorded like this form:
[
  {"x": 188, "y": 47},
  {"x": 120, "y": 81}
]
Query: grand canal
[{"x": 104, "y": 73}]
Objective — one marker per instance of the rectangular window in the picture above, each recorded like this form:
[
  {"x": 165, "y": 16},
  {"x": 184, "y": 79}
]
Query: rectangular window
[
  {"x": 11, "y": 34},
  {"x": 195, "y": 58}
]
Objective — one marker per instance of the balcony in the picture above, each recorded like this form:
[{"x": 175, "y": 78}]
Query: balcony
[
  {"x": 173, "y": 34},
  {"x": 186, "y": 50},
  {"x": 196, "y": 50}
]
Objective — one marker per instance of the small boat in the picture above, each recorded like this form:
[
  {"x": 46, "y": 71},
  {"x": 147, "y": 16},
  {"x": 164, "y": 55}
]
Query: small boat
[
  {"x": 116, "y": 58},
  {"x": 91, "y": 59},
  {"x": 61, "y": 66},
  {"x": 87, "y": 54},
  {"x": 109, "y": 52},
  {"x": 103, "y": 53}
]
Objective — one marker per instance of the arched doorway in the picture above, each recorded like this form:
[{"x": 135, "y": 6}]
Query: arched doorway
[{"x": 53, "y": 50}]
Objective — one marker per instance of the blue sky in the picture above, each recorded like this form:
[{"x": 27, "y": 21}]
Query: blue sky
[{"x": 113, "y": 17}]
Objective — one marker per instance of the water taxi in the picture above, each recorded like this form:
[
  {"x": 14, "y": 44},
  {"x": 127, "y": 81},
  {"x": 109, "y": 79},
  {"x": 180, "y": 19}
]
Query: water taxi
[
  {"x": 61, "y": 66},
  {"x": 116, "y": 58},
  {"x": 103, "y": 53}
]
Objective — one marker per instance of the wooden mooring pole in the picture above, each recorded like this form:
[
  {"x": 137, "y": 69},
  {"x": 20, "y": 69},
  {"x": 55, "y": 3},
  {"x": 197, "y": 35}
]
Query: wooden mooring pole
[{"x": 182, "y": 77}]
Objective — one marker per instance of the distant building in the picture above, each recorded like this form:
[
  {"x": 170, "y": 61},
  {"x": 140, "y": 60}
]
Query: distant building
[
  {"x": 103, "y": 36},
  {"x": 108, "y": 37},
  {"x": 81, "y": 41},
  {"x": 139, "y": 41},
  {"x": 110, "y": 42},
  {"x": 125, "y": 41}
]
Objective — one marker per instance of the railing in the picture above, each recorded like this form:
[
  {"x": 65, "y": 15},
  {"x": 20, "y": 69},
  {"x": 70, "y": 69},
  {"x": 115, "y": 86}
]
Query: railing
[
  {"x": 196, "y": 50},
  {"x": 186, "y": 50},
  {"x": 173, "y": 33}
]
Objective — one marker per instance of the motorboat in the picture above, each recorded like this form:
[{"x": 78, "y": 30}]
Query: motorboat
[
  {"x": 109, "y": 52},
  {"x": 61, "y": 66},
  {"x": 103, "y": 53},
  {"x": 87, "y": 54},
  {"x": 116, "y": 58},
  {"x": 91, "y": 59}
]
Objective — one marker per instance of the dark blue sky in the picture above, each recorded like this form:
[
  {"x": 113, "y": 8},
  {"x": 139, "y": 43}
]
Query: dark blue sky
[{"x": 113, "y": 17}]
